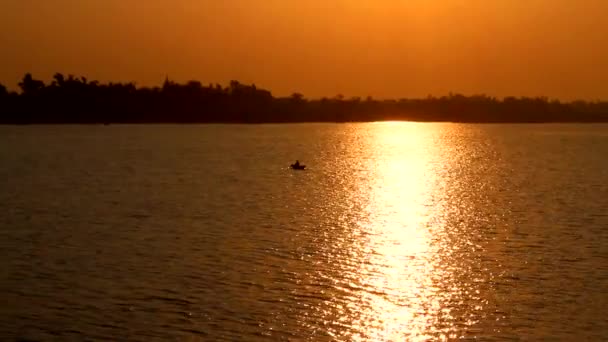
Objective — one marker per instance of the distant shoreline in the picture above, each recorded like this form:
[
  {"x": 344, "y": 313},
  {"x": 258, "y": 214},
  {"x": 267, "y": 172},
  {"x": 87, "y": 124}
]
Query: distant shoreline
[
  {"x": 72, "y": 100},
  {"x": 300, "y": 123}
]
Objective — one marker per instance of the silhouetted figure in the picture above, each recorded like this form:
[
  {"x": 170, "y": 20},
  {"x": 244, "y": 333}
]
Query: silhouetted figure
[{"x": 298, "y": 166}]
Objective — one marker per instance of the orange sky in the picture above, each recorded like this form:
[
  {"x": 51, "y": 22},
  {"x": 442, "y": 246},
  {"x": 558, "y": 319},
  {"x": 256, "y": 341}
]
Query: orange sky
[{"x": 383, "y": 48}]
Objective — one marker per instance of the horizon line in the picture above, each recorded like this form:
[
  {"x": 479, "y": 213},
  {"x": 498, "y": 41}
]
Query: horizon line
[{"x": 140, "y": 85}]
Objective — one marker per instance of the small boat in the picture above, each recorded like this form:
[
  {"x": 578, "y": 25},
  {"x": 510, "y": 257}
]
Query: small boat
[{"x": 298, "y": 167}]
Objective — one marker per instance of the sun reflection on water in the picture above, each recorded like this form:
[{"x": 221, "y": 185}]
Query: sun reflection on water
[{"x": 399, "y": 260}]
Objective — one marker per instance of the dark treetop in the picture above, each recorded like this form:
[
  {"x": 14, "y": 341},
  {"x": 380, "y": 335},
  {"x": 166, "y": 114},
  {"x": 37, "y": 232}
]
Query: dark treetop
[{"x": 77, "y": 100}]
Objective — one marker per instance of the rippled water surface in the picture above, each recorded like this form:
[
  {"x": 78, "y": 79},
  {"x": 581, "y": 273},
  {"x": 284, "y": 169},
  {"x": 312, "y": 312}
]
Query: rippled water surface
[{"x": 395, "y": 232}]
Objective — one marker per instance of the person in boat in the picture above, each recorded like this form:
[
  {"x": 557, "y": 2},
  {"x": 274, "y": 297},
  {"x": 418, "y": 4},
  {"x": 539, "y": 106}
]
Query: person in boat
[{"x": 297, "y": 163}]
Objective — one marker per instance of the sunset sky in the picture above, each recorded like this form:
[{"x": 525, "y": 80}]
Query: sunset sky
[{"x": 383, "y": 48}]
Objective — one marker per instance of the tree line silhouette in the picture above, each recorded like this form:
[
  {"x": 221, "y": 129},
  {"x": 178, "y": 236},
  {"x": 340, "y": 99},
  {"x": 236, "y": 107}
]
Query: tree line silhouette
[{"x": 77, "y": 100}]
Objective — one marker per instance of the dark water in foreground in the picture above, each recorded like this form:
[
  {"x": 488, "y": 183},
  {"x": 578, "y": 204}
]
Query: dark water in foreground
[{"x": 397, "y": 231}]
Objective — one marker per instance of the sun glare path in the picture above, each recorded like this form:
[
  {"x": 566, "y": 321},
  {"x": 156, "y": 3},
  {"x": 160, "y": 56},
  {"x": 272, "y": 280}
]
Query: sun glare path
[{"x": 398, "y": 265}]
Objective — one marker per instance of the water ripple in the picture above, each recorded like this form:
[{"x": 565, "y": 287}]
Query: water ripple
[{"x": 398, "y": 231}]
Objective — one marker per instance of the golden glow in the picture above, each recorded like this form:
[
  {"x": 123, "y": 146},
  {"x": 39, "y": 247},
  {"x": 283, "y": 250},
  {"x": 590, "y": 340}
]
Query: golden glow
[
  {"x": 399, "y": 263},
  {"x": 383, "y": 48},
  {"x": 400, "y": 245}
]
